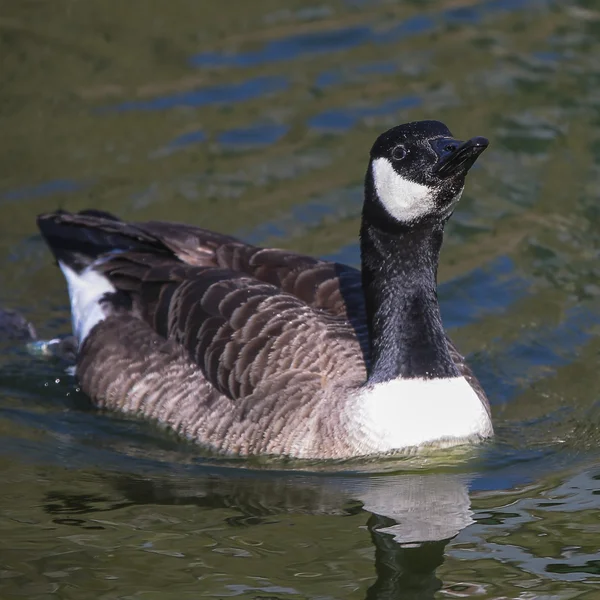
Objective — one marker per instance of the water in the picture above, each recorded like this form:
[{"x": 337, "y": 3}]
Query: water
[{"x": 256, "y": 120}]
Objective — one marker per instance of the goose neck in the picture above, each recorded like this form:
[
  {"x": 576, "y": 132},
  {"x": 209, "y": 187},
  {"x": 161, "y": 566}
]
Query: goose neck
[{"x": 399, "y": 272}]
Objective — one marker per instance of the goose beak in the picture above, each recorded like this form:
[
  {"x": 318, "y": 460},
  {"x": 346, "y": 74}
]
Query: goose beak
[{"x": 458, "y": 157}]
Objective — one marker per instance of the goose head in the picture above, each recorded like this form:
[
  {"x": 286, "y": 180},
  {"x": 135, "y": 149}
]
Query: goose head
[{"x": 416, "y": 174}]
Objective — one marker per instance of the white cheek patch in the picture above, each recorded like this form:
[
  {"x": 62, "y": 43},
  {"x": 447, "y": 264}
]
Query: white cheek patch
[{"x": 403, "y": 199}]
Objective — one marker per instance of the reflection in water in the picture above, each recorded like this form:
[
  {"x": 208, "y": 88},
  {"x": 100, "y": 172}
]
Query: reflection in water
[
  {"x": 412, "y": 516},
  {"x": 404, "y": 572},
  {"x": 259, "y": 134},
  {"x": 48, "y": 188},
  {"x": 337, "y": 40},
  {"x": 289, "y": 48},
  {"x": 223, "y": 94},
  {"x": 424, "y": 508},
  {"x": 410, "y": 527},
  {"x": 346, "y": 118}
]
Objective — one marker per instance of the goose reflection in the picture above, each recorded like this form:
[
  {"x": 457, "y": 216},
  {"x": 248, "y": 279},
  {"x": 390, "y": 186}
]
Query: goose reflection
[
  {"x": 412, "y": 516},
  {"x": 412, "y": 520}
]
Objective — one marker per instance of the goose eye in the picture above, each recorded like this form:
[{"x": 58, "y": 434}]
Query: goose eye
[{"x": 399, "y": 152}]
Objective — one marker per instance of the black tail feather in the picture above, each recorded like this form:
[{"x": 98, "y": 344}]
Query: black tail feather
[{"x": 79, "y": 239}]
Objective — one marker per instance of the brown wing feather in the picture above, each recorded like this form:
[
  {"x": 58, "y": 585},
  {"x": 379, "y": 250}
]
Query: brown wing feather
[
  {"x": 329, "y": 286},
  {"x": 238, "y": 330}
]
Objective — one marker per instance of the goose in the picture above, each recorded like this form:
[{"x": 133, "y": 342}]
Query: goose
[{"x": 261, "y": 351}]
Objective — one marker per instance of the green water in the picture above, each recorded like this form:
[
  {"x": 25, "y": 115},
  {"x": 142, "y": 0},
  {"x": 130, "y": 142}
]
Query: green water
[{"x": 255, "y": 118}]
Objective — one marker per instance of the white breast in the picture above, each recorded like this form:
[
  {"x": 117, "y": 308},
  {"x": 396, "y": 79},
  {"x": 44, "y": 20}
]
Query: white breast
[{"x": 406, "y": 413}]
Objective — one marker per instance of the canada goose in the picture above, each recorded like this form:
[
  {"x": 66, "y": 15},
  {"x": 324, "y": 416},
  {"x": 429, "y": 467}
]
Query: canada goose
[{"x": 247, "y": 350}]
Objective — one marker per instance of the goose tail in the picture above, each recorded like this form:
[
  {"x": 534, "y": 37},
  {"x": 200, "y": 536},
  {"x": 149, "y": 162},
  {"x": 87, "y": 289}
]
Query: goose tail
[
  {"x": 77, "y": 240},
  {"x": 80, "y": 243}
]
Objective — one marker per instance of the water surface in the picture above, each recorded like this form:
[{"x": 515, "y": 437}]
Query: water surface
[{"x": 256, "y": 119}]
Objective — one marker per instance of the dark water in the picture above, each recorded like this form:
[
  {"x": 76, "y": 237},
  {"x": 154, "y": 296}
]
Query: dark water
[{"x": 255, "y": 118}]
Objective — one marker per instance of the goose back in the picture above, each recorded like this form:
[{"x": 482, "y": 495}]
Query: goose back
[{"x": 207, "y": 350}]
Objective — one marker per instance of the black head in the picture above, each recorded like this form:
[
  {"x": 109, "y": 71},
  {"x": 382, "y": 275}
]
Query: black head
[{"x": 417, "y": 172}]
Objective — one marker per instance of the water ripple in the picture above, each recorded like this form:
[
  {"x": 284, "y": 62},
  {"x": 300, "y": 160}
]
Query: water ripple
[{"x": 232, "y": 93}]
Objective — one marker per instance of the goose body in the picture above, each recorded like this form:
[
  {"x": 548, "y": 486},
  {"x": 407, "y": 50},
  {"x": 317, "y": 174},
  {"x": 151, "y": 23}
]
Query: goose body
[{"x": 250, "y": 350}]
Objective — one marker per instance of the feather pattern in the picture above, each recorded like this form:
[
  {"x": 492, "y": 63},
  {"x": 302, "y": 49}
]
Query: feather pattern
[{"x": 250, "y": 350}]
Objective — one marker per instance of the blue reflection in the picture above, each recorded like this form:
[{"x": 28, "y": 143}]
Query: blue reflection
[
  {"x": 413, "y": 26},
  {"x": 344, "y": 118},
  {"x": 468, "y": 15},
  {"x": 380, "y": 67},
  {"x": 288, "y": 48},
  {"x": 220, "y": 94},
  {"x": 330, "y": 78},
  {"x": 48, "y": 188},
  {"x": 338, "y": 205},
  {"x": 537, "y": 355},
  {"x": 320, "y": 42},
  {"x": 254, "y": 135},
  {"x": 192, "y": 137},
  {"x": 339, "y": 119},
  {"x": 486, "y": 290},
  {"x": 183, "y": 141},
  {"x": 347, "y": 38},
  {"x": 492, "y": 6},
  {"x": 548, "y": 56},
  {"x": 347, "y": 255}
]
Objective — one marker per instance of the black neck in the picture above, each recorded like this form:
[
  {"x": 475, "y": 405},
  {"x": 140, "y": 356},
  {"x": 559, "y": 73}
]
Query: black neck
[{"x": 399, "y": 274}]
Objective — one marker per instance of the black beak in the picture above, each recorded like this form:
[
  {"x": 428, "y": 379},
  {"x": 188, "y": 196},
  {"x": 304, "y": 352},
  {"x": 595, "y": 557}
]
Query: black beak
[{"x": 457, "y": 157}]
